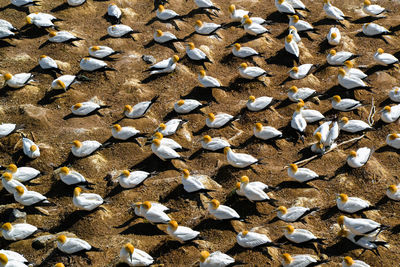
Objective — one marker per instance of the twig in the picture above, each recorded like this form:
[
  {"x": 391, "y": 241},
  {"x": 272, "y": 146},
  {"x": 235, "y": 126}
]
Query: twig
[
  {"x": 371, "y": 113},
  {"x": 330, "y": 150}
]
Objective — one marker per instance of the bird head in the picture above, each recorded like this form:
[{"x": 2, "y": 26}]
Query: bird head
[
  {"x": 289, "y": 38},
  {"x": 8, "y": 76},
  {"x": 185, "y": 173},
  {"x": 259, "y": 126},
  {"x": 52, "y": 33},
  {"x": 199, "y": 23},
  {"x": 7, "y": 176},
  {"x": 128, "y": 108},
  {"x": 62, "y": 239},
  {"x": 353, "y": 154},
  {"x": 340, "y": 221},
  {"x": 3, "y": 259},
  {"x": 295, "y": 69},
  {"x": 293, "y": 167},
  {"x": 293, "y": 28},
  {"x": 191, "y": 45},
  {"x": 282, "y": 209},
  {"x": 226, "y": 150},
  {"x": 348, "y": 64},
  {"x": 393, "y": 136},
  {"x": 159, "y": 33},
  {"x": 244, "y": 233},
  {"x": 248, "y": 22},
  {"x": 380, "y": 51},
  {"x": 95, "y": 48},
  {"x": 64, "y": 170},
  {"x": 76, "y": 143},
  {"x": 7, "y": 226},
  {"x": 211, "y": 116},
  {"x": 61, "y": 84},
  {"x": 156, "y": 142},
  {"x": 20, "y": 190},
  {"x": 125, "y": 173},
  {"x": 28, "y": 20},
  {"x": 333, "y": 35},
  {"x": 129, "y": 248},
  {"x": 289, "y": 228},
  {"x": 33, "y": 148},
  {"x": 207, "y": 139},
  {"x": 344, "y": 120},
  {"x": 117, "y": 127},
  {"x": 243, "y": 65},
  {"x": 204, "y": 255},
  {"x": 337, "y": 98},
  {"x": 231, "y": 9},
  {"x": 294, "y": 89},
  {"x": 215, "y": 204},
  {"x": 281, "y": 1},
  {"x": 175, "y": 58},
  {"x": 173, "y": 224},
  {"x": 295, "y": 18},
  {"x": 77, "y": 106},
  {"x": 162, "y": 126},
  {"x": 12, "y": 168},
  {"x": 299, "y": 106},
  {"x": 146, "y": 205},
  {"x": 343, "y": 233},
  {"x": 343, "y": 197},
  {"x": 237, "y": 46},
  {"x": 252, "y": 98},
  {"x": 342, "y": 72},
  {"x": 237, "y": 185},
  {"x": 392, "y": 188},
  {"x": 245, "y": 179},
  {"x": 158, "y": 135},
  {"x": 161, "y": 8},
  {"x": 332, "y": 52},
  {"x": 367, "y": 3},
  {"x": 387, "y": 109},
  {"x": 348, "y": 260},
  {"x": 60, "y": 264},
  {"x": 202, "y": 73},
  {"x": 77, "y": 191},
  {"x": 318, "y": 136},
  {"x": 287, "y": 258}
]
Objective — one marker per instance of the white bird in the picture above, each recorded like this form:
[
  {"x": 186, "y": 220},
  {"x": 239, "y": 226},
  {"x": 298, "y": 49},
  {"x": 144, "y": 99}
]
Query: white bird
[
  {"x": 165, "y": 14},
  {"x": 298, "y": 122},
  {"x": 154, "y": 205},
  {"x": 182, "y": 233},
  {"x": 64, "y": 82},
  {"x": 301, "y": 71},
  {"x": 265, "y": 132},
  {"x": 384, "y": 59},
  {"x": 302, "y": 260},
  {"x": 18, "y": 80},
  {"x": 299, "y": 236},
  {"x": 123, "y": 133},
  {"x": 163, "y": 152},
  {"x": 72, "y": 177},
  {"x": 206, "y": 4},
  {"x": 295, "y": 34},
  {"x": 167, "y": 141},
  {"x": 338, "y": 58},
  {"x": 17, "y": 231},
  {"x": 129, "y": 179},
  {"x": 22, "y": 174},
  {"x": 195, "y": 53},
  {"x": 208, "y": 81},
  {"x": 250, "y": 239},
  {"x": 298, "y": 4},
  {"x": 311, "y": 115},
  {"x": 24, "y": 3},
  {"x": 170, "y": 127},
  {"x": 300, "y": 25},
  {"x": 4, "y": 24},
  {"x": 253, "y": 28},
  {"x": 164, "y": 37},
  {"x": 70, "y": 245},
  {"x": 259, "y": 103},
  {"x": 293, "y": 214},
  {"x": 359, "y": 158},
  {"x": 134, "y": 256},
  {"x": 360, "y": 226},
  {"x": 295, "y": 94},
  {"x": 353, "y": 126},
  {"x": 185, "y": 106},
  {"x": 372, "y": 10},
  {"x": 221, "y": 212},
  {"x": 62, "y": 37},
  {"x": 252, "y": 191},
  {"x": 39, "y": 21},
  {"x": 291, "y": 46},
  {"x": 284, "y": 7},
  {"x": 351, "y": 204},
  {"x": 218, "y": 120},
  {"x": 93, "y": 64},
  {"x": 6, "y": 33},
  {"x": 257, "y": 20},
  {"x": 8, "y": 128},
  {"x": 349, "y": 262},
  {"x": 367, "y": 242},
  {"x": 251, "y": 72},
  {"x": 139, "y": 109},
  {"x": 113, "y": 11},
  {"x": 5, "y": 262},
  {"x": 349, "y": 81},
  {"x": 85, "y": 148},
  {"x": 350, "y": 70},
  {"x": 302, "y": 174},
  {"x": 239, "y": 160},
  {"x": 101, "y": 51},
  {"x": 214, "y": 144},
  {"x": 28, "y": 198},
  {"x": 47, "y": 63},
  {"x": 260, "y": 185},
  {"x": 390, "y": 114},
  {"x": 333, "y": 36},
  {"x": 393, "y": 192},
  {"x": 322, "y": 132},
  {"x": 195, "y": 182},
  {"x": 207, "y": 28},
  {"x": 244, "y": 51},
  {"x": 30, "y": 148},
  {"x": 40, "y": 15},
  {"x": 394, "y": 95},
  {"x": 345, "y": 104},
  {"x": 333, "y": 12},
  {"x": 215, "y": 259},
  {"x": 237, "y": 14},
  {"x": 13, "y": 256},
  {"x": 76, "y": 2},
  {"x": 9, "y": 183},
  {"x": 373, "y": 29},
  {"x": 86, "y": 201},
  {"x": 120, "y": 30},
  {"x": 84, "y": 108},
  {"x": 393, "y": 140}
]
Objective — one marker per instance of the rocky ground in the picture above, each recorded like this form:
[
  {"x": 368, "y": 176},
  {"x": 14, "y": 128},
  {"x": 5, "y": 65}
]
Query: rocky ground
[{"x": 42, "y": 114}]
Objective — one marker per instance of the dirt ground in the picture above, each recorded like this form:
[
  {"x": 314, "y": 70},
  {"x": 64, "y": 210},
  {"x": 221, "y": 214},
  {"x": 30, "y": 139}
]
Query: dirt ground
[{"x": 111, "y": 227}]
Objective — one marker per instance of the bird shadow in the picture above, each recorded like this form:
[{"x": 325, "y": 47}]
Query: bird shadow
[
  {"x": 201, "y": 94},
  {"x": 385, "y": 102},
  {"x": 70, "y": 219},
  {"x": 210, "y": 223},
  {"x": 61, "y": 7},
  {"x": 366, "y": 19},
  {"x": 387, "y": 148},
  {"x": 281, "y": 58},
  {"x": 362, "y": 35},
  {"x": 170, "y": 21},
  {"x": 141, "y": 228},
  {"x": 377, "y": 68},
  {"x": 238, "y": 83},
  {"x": 245, "y": 208},
  {"x": 323, "y": 46},
  {"x": 11, "y": 6},
  {"x": 253, "y": 140},
  {"x": 244, "y": 39},
  {"x": 153, "y": 78},
  {"x": 328, "y": 21},
  {"x": 4, "y": 44},
  {"x": 200, "y": 11},
  {"x": 169, "y": 45},
  {"x": 294, "y": 185},
  {"x": 6, "y": 198},
  {"x": 32, "y": 32},
  {"x": 60, "y": 189},
  {"x": 153, "y": 163},
  {"x": 395, "y": 229},
  {"x": 167, "y": 246},
  {"x": 329, "y": 213},
  {"x": 51, "y": 96},
  {"x": 278, "y": 17},
  {"x": 337, "y": 90},
  {"x": 342, "y": 247}
]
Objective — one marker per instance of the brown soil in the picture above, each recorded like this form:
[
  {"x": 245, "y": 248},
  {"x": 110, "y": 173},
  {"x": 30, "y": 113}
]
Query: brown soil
[{"x": 45, "y": 121}]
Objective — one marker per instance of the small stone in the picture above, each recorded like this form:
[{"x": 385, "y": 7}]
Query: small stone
[
  {"x": 42, "y": 241},
  {"x": 16, "y": 214},
  {"x": 148, "y": 59}
]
